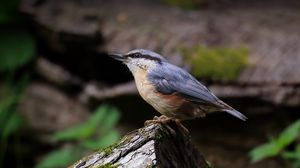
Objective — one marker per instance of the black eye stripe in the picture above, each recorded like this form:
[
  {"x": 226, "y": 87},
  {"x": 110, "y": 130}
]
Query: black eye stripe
[{"x": 138, "y": 55}]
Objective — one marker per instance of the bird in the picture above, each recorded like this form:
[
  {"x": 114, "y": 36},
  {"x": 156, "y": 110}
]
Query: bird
[{"x": 169, "y": 89}]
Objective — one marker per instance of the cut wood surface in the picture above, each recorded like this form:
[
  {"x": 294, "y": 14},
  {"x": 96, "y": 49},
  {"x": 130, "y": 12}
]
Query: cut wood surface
[{"x": 165, "y": 145}]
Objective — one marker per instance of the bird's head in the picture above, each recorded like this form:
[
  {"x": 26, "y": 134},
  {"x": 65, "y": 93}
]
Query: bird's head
[{"x": 139, "y": 59}]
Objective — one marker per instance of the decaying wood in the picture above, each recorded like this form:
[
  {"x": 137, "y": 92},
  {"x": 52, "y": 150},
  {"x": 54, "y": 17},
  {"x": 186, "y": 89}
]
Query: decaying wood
[
  {"x": 93, "y": 91},
  {"x": 274, "y": 55},
  {"x": 155, "y": 145},
  {"x": 285, "y": 94},
  {"x": 277, "y": 94},
  {"x": 122, "y": 25},
  {"x": 47, "y": 109},
  {"x": 55, "y": 74},
  {"x": 61, "y": 77}
]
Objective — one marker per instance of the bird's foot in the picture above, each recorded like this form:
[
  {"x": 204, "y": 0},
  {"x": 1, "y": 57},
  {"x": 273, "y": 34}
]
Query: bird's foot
[
  {"x": 159, "y": 120},
  {"x": 165, "y": 120}
]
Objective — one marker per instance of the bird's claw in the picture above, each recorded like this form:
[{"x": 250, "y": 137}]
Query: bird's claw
[
  {"x": 165, "y": 120},
  {"x": 159, "y": 120}
]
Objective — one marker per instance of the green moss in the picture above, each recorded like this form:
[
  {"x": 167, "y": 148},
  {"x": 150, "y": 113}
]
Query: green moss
[
  {"x": 126, "y": 139},
  {"x": 209, "y": 164},
  {"x": 186, "y": 4},
  {"x": 108, "y": 150},
  {"x": 150, "y": 166},
  {"x": 218, "y": 63},
  {"x": 158, "y": 135},
  {"x": 108, "y": 165}
]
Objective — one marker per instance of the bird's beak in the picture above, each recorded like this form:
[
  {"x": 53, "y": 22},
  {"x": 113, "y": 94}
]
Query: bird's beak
[{"x": 118, "y": 57}]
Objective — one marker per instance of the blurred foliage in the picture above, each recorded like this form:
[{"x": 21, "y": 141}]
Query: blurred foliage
[
  {"x": 278, "y": 146},
  {"x": 185, "y": 4},
  {"x": 17, "y": 48},
  {"x": 59, "y": 158},
  {"x": 294, "y": 156},
  {"x": 8, "y": 11},
  {"x": 97, "y": 132},
  {"x": 9, "y": 120},
  {"x": 218, "y": 63}
]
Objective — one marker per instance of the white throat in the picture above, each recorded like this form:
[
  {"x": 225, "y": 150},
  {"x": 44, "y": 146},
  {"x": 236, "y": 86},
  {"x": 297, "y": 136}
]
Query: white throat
[{"x": 136, "y": 64}]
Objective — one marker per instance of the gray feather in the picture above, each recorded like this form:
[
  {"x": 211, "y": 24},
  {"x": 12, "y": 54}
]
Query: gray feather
[
  {"x": 236, "y": 114},
  {"x": 169, "y": 79}
]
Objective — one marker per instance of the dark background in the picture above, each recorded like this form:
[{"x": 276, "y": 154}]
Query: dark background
[{"x": 55, "y": 73}]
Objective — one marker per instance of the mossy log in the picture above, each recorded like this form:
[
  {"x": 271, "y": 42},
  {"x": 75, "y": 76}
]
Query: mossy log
[{"x": 155, "y": 145}]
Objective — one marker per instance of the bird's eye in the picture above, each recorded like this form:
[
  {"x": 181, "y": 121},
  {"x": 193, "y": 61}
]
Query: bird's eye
[{"x": 137, "y": 55}]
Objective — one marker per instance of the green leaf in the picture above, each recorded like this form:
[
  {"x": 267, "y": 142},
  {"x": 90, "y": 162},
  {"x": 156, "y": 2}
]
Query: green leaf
[
  {"x": 289, "y": 135},
  {"x": 99, "y": 115},
  {"x": 81, "y": 131},
  {"x": 277, "y": 145},
  {"x": 102, "y": 141},
  {"x": 296, "y": 164},
  {"x": 11, "y": 125},
  {"x": 16, "y": 49},
  {"x": 292, "y": 154},
  {"x": 264, "y": 151},
  {"x": 60, "y": 158},
  {"x": 9, "y": 119},
  {"x": 85, "y": 130},
  {"x": 5, "y": 108},
  {"x": 111, "y": 120},
  {"x": 8, "y": 10}
]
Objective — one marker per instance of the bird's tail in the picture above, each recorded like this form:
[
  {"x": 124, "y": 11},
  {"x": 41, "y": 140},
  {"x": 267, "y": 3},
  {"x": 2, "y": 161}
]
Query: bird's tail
[
  {"x": 236, "y": 114},
  {"x": 228, "y": 109}
]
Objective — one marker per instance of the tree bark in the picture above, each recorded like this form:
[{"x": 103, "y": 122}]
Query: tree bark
[{"x": 155, "y": 145}]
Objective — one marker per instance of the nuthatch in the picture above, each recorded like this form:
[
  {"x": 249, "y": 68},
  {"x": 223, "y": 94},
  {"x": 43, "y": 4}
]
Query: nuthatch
[{"x": 171, "y": 90}]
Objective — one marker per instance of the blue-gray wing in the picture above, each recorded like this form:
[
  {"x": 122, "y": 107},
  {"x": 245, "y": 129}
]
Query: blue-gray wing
[{"x": 169, "y": 79}]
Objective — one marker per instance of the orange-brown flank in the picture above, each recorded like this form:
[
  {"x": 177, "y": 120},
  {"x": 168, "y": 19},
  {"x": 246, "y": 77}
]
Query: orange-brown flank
[{"x": 171, "y": 105}]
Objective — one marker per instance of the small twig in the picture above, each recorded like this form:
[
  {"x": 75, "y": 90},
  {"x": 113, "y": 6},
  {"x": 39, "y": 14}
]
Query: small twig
[
  {"x": 55, "y": 73},
  {"x": 91, "y": 90}
]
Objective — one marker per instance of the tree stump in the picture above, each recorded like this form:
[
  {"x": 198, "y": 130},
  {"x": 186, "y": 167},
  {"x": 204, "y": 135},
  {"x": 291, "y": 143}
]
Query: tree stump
[{"x": 155, "y": 145}]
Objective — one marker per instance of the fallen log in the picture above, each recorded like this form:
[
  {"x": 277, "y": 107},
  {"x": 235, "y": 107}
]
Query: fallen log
[
  {"x": 119, "y": 26},
  {"x": 155, "y": 145}
]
